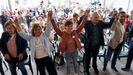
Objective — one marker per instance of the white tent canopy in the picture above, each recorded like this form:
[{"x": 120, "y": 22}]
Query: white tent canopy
[{"x": 125, "y": 4}]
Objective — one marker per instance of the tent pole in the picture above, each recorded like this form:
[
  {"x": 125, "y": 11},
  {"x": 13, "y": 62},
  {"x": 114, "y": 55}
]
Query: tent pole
[
  {"x": 9, "y": 5},
  {"x": 128, "y": 6}
]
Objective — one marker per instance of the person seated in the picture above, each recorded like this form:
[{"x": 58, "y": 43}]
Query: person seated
[{"x": 14, "y": 47}]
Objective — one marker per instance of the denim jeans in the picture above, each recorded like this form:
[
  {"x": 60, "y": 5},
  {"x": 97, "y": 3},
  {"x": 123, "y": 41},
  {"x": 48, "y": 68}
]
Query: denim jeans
[
  {"x": 71, "y": 57},
  {"x": 12, "y": 65},
  {"x": 115, "y": 55}
]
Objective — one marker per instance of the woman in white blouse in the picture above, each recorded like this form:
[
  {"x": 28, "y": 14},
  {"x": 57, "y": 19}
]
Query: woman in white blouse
[{"x": 40, "y": 47}]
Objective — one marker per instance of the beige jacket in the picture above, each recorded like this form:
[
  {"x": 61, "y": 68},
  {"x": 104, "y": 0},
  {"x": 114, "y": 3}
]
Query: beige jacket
[{"x": 115, "y": 41}]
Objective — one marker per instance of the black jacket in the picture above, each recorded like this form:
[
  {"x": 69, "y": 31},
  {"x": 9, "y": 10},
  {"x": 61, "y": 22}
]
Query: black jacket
[
  {"x": 89, "y": 30},
  {"x": 21, "y": 43}
]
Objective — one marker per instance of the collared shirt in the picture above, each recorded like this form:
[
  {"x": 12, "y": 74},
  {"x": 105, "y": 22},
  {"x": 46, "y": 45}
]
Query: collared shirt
[
  {"x": 11, "y": 45},
  {"x": 122, "y": 28}
]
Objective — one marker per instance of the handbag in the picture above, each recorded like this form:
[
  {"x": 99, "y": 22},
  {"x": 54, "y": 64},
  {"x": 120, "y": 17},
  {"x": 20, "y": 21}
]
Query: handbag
[{"x": 59, "y": 59}]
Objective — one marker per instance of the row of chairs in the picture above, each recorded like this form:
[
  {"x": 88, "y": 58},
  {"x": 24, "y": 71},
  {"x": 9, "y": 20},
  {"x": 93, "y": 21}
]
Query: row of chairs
[{"x": 3, "y": 63}]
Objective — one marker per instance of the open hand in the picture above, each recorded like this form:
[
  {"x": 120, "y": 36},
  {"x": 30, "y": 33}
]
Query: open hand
[
  {"x": 50, "y": 15},
  {"x": 87, "y": 11},
  {"x": 17, "y": 24}
]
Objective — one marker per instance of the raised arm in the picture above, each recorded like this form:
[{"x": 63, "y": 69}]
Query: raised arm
[
  {"x": 115, "y": 22},
  {"x": 21, "y": 32},
  {"x": 48, "y": 29},
  {"x": 82, "y": 24},
  {"x": 56, "y": 28}
]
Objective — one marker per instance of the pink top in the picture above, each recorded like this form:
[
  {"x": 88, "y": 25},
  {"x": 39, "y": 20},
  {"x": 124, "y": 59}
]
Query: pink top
[{"x": 11, "y": 46}]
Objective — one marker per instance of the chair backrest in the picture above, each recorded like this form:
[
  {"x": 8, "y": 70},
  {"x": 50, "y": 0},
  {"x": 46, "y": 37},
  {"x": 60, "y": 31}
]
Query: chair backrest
[
  {"x": 0, "y": 44},
  {"x": 130, "y": 26},
  {"x": 0, "y": 50}
]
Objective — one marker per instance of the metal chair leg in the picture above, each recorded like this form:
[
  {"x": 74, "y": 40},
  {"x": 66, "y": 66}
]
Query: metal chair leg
[
  {"x": 1, "y": 68},
  {"x": 30, "y": 64}
]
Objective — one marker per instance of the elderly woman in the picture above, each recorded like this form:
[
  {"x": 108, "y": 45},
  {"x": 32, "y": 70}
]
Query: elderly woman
[
  {"x": 40, "y": 47},
  {"x": 14, "y": 48}
]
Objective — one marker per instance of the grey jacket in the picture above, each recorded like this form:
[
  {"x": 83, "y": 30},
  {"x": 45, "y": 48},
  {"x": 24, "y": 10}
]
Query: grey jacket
[{"x": 44, "y": 37}]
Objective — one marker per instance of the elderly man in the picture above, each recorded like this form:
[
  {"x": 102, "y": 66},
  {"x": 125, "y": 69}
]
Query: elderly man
[{"x": 93, "y": 40}]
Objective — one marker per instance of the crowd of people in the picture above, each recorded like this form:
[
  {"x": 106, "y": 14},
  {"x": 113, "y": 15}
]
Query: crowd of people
[{"x": 36, "y": 29}]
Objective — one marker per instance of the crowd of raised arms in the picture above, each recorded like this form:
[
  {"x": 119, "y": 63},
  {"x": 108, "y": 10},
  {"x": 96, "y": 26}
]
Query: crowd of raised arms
[{"x": 65, "y": 31}]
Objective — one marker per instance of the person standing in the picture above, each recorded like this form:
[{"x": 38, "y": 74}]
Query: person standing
[
  {"x": 130, "y": 53},
  {"x": 69, "y": 43},
  {"x": 117, "y": 41},
  {"x": 93, "y": 39},
  {"x": 3, "y": 19},
  {"x": 40, "y": 47}
]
